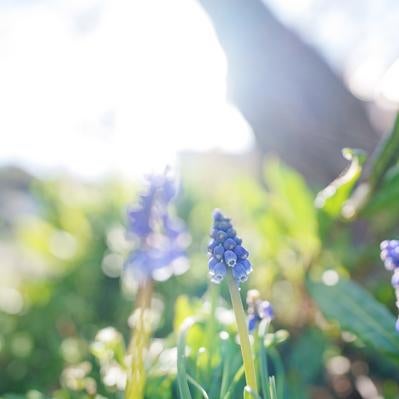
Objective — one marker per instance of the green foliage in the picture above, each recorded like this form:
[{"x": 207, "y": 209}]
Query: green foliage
[
  {"x": 358, "y": 312},
  {"x": 61, "y": 269},
  {"x": 333, "y": 198}
]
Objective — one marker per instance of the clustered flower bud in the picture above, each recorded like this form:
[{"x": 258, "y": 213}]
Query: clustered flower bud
[
  {"x": 390, "y": 257},
  {"x": 258, "y": 310},
  {"x": 226, "y": 252},
  {"x": 160, "y": 239}
]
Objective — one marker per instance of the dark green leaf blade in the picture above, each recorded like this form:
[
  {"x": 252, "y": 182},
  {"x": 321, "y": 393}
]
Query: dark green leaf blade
[{"x": 357, "y": 311}]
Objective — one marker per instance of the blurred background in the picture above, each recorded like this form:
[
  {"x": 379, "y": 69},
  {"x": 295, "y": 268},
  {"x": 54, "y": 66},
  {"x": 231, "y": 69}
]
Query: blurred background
[{"x": 251, "y": 102}]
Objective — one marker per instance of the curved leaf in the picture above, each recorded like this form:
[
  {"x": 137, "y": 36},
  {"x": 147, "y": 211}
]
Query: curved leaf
[
  {"x": 333, "y": 197},
  {"x": 386, "y": 155},
  {"x": 357, "y": 311}
]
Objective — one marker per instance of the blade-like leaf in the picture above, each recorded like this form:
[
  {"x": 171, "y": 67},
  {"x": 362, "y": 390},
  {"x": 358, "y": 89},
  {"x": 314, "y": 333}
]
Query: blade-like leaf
[
  {"x": 236, "y": 380},
  {"x": 333, "y": 197},
  {"x": 386, "y": 155},
  {"x": 273, "y": 391},
  {"x": 182, "y": 377},
  {"x": 386, "y": 197},
  {"x": 198, "y": 386},
  {"x": 262, "y": 359},
  {"x": 357, "y": 311}
]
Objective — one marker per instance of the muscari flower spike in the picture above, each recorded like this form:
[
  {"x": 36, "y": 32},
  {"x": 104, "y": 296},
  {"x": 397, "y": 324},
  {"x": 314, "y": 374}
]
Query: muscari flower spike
[
  {"x": 226, "y": 252},
  {"x": 258, "y": 310},
  {"x": 390, "y": 257},
  {"x": 160, "y": 238}
]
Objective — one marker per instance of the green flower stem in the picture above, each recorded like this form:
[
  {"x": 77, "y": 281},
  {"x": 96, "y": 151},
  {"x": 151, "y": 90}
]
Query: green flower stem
[
  {"x": 249, "y": 367},
  {"x": 138, "y": 344}
]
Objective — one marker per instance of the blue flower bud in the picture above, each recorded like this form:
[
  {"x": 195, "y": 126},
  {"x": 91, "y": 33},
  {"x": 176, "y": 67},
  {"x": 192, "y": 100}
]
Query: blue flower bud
[
  {"x": 218, "y": 252},
  {"x": 211, "y": 246},
  {"x": 219, "y": 235},
  {"x": 390, "y": 257},
  {"x": 252, "y": 322},
  {"x": 217, "y": 215},
  {"x": 229, "y": 244},
  {"x": 265, "y": 310},
  {"x": 230, "y": 258},
  {"x": 218, "y": 272},
  {"x": 241, "y": 252},
  {"x": 231, "y": 233},
  {"x": 212, "y": 263},
  {"x": 390, "y": 254},
  {"x": 246, "y": 264},
  {"x": 239, "y": 273},
  {"x": 223, "y": 225},
  {"x": 395, "y": 279},
  {"x": 238, "y": 240},
  {"x": 258, "y": 310}
]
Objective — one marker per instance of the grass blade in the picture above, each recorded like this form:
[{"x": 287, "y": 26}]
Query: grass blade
[
  {"x": 249, "y": 393},
  {"x": 237, "y": 378},
  {"x": 198, "y": 386},
  {"x": 262, "y": 359},
  {"x": 182, "y": 377},
  {"x": 280, "y": 373},
  {"x": 273, "y": 390}
]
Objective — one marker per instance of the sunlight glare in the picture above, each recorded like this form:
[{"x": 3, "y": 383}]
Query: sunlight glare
[{"x": 146, "y": 82}]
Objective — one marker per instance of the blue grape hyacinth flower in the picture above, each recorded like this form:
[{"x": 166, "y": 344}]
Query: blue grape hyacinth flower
[
  {"x": 390, "y": 254},
  {"x": 258, "y": 310},
  {"x": 390, "y": 257},
  {"x": 160, "y": 239},
  {"x": 226, "y": 254}
]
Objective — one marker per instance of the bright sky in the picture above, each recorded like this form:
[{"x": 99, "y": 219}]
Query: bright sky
[
  {"x": 99, "y": 86},
  {"x": 93, "y": 86}
]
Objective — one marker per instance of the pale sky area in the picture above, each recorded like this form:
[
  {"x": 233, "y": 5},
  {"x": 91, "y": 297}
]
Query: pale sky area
[
  {"x": 123, "y": 91},
  {"x": 98, "y": 86}
]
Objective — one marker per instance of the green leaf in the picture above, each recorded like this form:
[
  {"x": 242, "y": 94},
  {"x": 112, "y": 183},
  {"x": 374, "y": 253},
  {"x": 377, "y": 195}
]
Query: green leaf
[
  {"x": 182, "y": 377},
  {"x": 386, "y": 155},
  {"x": 357, "y": 311},
  {"x": 280, "y": 373},
  {"x": 291, "y": 206},
  {"x": 198, "y": 386},
  {"x": 262, "y": 359},
  {"x": 332, "y": 199},
  {"x": 236, "y": 380},
  {"x": 386, "y": 197},
  {"x": 250, "y": 394},
  {"x": 273, "y": 391},
  {"x": 308, "y": 349}
]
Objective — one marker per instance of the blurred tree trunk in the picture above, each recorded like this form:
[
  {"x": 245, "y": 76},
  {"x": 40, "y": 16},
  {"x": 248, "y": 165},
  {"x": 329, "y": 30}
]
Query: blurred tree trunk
[{"x": 296, "y": 105}]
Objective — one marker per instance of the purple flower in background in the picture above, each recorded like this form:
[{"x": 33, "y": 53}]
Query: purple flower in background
[
  {"x": 161, "y": 239},
  {"x": 390, "y": 257},
  {"x": 225, "y": 252},
  {"x": 390, "y": 254},
  {"x": 258, "y": 310}
]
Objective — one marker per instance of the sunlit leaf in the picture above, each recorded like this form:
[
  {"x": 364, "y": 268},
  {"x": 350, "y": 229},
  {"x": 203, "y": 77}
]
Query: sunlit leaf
[
  {"x": 386, "y": 155},
  {"x": 332, "y": 199}
]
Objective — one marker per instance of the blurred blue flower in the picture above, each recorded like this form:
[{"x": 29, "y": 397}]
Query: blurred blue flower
[
  {"x": 258, "y": 310},
  {"x": 161, "y": 239},
  {"x": 390, "y": 257},
  {"x": 390, "y": 254},
  {"x": 225, "y": 252}
]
